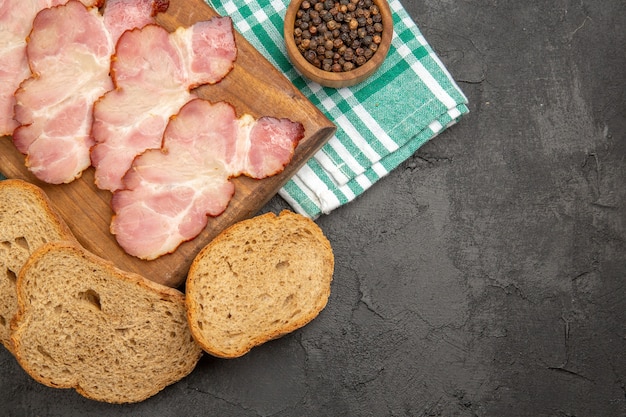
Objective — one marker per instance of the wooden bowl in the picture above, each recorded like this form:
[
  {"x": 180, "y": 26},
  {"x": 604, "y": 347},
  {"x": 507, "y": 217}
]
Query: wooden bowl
[{"x": 337, "y": 79}]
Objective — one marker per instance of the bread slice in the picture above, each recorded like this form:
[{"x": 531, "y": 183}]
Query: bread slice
[
  {"x": 258, "y": 280},
  {"x": 27, "y": 221},
  {"x": 113, "y": 336}
]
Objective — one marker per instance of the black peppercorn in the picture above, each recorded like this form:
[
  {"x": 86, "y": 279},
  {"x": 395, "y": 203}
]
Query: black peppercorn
[
  {"x": 338, "y": 35},
  {"x": 310, "y": 55}
]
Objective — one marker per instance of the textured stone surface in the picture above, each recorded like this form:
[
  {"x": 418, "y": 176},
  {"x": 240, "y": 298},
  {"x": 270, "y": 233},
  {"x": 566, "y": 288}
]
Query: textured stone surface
[{"x": 485, "y": 276}]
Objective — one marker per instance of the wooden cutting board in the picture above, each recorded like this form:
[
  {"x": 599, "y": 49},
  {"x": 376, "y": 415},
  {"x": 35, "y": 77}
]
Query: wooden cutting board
[{"x": 254, "y": 86}]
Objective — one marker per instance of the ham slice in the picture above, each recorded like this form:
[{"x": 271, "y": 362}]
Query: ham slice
[
  {"x": 154, "y": 72},
  {"x": 170, "y": 191},
  {"x": 16, "y": 21},
  {"x": 69, "y": 52}
]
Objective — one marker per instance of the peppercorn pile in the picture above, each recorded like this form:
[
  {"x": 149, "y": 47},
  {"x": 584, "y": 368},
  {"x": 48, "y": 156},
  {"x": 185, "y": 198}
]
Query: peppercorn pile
[{"x": 338, "y": 35}]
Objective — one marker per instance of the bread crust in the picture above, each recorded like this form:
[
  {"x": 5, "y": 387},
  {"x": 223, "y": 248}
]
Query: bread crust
[
  {"x": 27, "y": 220},
  {"x": 31, "y": 300},
  {"x": 298, "y": 295}
]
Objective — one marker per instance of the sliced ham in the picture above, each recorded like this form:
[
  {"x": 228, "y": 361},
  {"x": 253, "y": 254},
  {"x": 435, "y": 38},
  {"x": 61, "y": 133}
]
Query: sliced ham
[
  {"x": 69, "y": 53},
  {"x": 16, "y": 22},
  {"x": 154, "y": 72},
  {"x": 169, "y": 192}
]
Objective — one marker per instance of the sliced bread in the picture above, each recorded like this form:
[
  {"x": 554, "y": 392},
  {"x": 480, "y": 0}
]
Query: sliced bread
[
  {"x": 258, "y": 280},
  {"x": 113, "y": 336},
  {"x": 27, "y": 221}
]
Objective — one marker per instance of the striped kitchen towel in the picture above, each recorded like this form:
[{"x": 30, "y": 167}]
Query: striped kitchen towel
[{"x": 380, "y": 122}]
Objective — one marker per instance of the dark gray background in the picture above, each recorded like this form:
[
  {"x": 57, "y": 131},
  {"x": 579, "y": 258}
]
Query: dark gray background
[{"x": 483, "y": 277}]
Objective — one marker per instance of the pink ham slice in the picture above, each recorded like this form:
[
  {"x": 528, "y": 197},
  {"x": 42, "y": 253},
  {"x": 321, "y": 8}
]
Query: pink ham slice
[
  {"x": 16, "y": 22},
  {"x": 171, "y": 191},
  {"x": 69, "y": 52},
  {"x": 153, "y": 72}
]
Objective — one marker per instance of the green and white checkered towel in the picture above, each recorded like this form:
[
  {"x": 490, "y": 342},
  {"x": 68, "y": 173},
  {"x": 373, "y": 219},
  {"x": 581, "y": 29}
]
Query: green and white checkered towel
[{"x": 380, "y": 122}]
